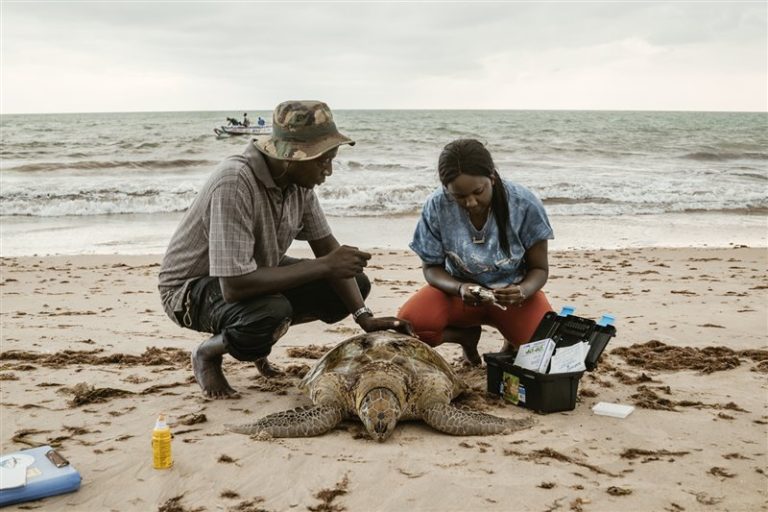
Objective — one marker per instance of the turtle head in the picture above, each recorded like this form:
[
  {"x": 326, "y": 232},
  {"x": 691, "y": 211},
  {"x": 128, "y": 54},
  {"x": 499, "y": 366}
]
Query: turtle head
[{"x": 379, "y": 411}]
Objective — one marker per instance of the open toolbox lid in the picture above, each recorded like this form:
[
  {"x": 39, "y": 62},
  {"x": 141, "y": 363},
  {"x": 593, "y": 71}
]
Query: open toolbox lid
[{"x": 568, "y": 329}]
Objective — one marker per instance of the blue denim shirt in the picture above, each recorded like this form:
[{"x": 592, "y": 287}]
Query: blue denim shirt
[{"x": 444, "y": 236}]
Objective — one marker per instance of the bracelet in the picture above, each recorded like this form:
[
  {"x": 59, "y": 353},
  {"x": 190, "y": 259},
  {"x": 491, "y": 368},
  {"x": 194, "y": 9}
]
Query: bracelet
[
  {"x": 458, "y": 290},
  {"x": 360, "y": 312}
]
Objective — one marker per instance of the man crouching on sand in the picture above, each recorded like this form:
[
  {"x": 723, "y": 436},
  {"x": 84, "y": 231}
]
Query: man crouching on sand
[{"x": 226, "y": 272}]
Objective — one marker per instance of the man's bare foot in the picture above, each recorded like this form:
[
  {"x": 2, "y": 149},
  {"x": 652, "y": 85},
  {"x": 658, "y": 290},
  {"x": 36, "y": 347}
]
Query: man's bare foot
[
  {"x": 208, "y": 374},
  {"x": 267, "y": 369}
]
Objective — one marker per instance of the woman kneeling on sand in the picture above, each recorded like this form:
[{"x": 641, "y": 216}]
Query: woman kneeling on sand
[{"x": 483, "y": 244}]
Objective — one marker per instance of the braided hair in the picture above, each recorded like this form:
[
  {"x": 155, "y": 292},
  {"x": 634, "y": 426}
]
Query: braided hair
[{"x": 470, "y": 156}]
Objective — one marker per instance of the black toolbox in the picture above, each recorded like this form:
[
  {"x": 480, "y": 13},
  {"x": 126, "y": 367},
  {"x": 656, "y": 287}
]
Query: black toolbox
[{"x": 546, "y": 393}]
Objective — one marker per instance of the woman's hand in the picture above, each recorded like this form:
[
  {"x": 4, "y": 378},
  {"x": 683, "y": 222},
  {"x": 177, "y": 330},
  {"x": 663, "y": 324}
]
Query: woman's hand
[
  {"x": 511, "y": 295},
  {"x": 372, "y": 323},
  {"x": 474, "y": 294}
]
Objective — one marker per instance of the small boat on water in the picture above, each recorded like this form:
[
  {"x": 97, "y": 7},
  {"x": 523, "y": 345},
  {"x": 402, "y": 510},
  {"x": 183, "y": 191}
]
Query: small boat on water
[
  {"x": 236, "y": 127},
  {"x": 242, "y": 130}
]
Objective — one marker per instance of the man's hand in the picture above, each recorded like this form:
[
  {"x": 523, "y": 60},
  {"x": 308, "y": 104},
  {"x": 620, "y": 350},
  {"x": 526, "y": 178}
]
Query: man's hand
[
  {"x": 345, "y": 262},
  {"x": 510, "y": 296},
  {"x": 372, "y": 323}
]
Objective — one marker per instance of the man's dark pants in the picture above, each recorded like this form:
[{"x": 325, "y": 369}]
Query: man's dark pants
[{"x": 250, "y": 327}]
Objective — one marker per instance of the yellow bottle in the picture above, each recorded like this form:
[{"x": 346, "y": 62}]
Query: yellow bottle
[{"x": 161, "y": 444}]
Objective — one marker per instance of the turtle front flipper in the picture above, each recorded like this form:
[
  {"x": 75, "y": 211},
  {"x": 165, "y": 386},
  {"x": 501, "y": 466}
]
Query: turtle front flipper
[
  {"x": 459, "y": 422},
  {"x": 299, "y": 422}
]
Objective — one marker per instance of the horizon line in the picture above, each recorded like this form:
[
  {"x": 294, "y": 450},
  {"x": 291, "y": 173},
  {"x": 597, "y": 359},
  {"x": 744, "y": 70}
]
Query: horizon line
[{"x": 398, "y": 109}]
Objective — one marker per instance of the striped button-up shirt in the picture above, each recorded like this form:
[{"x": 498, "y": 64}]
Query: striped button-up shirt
[{"x": 239, "y": 221}]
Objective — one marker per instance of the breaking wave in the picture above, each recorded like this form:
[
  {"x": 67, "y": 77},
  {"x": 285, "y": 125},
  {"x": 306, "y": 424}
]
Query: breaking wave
[
  {"x": 96, "y": 165},
  {"x": 707, "y": 156}
]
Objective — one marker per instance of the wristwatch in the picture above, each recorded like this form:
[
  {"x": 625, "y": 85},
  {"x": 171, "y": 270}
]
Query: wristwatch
[{"x": 360, "y": 312}]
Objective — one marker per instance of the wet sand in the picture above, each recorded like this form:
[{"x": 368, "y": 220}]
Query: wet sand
[
  {"x": 137, "y": 234},
  {"x": 88, "y": 359}
]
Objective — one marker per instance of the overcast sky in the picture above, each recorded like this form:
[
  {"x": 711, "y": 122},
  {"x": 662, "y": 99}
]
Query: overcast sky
[{"x": 146, "y": 56}]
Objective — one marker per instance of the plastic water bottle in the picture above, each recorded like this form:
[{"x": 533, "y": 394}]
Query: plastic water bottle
[
  {"x": 161, "y": 444},
  {"x": 606, "y": 320},
  {"x": 567, "y": 310}
]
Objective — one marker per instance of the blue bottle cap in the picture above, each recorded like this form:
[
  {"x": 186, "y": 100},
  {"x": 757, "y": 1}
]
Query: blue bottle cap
[
  {"x": 606, "y": 320},
  {"x": 567, "y": 310}
]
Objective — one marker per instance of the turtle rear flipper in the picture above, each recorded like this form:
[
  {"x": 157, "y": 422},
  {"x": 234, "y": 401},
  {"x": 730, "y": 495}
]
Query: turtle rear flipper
[
  {"x": 459, "y": 422},
  {"x": 299, "y": 422}
]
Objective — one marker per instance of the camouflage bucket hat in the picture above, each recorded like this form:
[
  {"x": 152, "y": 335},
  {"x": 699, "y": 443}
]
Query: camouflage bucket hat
[{"x": 301, "y": 130}]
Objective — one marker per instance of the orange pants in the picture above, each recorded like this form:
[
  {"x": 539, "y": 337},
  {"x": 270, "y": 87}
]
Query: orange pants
[{"x": 430, "y": 311}]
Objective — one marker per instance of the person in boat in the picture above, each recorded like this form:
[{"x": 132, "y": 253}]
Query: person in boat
[
  {"x": 483, "y": 243},
  {"x": 261, "y": 122},
  {"x": 233, "y": 122},
  {"x": 226, "y": 271},
  {"x": 246, "y": 121}
]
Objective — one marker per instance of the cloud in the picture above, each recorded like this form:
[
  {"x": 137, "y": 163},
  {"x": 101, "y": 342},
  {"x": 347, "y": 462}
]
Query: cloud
[{"x": 222, "y": 56}]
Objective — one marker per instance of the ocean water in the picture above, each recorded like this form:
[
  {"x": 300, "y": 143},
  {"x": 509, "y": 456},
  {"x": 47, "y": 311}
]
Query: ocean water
[{"x": 85, "y": 168}]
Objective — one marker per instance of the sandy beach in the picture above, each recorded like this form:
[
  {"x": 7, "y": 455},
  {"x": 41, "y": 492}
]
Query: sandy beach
[
  {"x": 89, "y": 359},
  {"x": 639, "y": 127}
]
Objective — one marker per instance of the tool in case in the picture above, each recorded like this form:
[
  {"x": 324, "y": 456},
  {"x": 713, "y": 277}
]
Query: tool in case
[{"x": 544, "y": 392}]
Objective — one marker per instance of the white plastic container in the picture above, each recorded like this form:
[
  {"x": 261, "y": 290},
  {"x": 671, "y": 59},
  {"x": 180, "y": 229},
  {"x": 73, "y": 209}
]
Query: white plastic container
[{"x": 613, "y": 410}]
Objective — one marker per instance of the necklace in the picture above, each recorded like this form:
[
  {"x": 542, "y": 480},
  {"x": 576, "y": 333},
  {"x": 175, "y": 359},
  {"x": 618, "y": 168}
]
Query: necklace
[{"x": 478, "y": 236}]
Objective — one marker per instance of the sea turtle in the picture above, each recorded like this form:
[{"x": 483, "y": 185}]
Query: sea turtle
[{"x": 381, "y": 377}]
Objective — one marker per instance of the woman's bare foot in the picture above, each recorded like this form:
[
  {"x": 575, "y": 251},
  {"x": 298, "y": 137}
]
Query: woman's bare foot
[
  {"x": 468, "y": 338},
  {"x": 508, "y": 348},
  {"x": 267, "y": 369},
  {"x": 471, "y": 355},
  {"x": 206, "y": 366}
]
